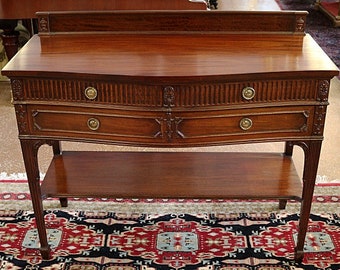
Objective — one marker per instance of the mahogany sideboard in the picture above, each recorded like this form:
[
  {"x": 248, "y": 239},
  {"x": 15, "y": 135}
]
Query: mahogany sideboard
[{"x": 171, "y": 79}]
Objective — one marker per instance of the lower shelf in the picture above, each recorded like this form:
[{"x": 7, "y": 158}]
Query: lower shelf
[{"x": 172, "y": 175}]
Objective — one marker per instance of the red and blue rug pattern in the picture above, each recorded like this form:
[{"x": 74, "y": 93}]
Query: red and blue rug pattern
[{"x": 111, "y": 241}]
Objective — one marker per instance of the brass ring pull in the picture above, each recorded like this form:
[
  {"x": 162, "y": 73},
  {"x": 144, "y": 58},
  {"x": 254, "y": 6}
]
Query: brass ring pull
[
  {"x": 246, "y": 123},
  {"x": 93, "y": 123},
  {"x": 248, "y": 93},
  {"x": 91, "y": 93}
]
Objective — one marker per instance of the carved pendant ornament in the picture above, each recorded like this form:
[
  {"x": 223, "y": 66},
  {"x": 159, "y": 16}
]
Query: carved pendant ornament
[
  {"x": 169, "y": 125},
  {"x": 169, "y": 97},
  {"x": 17, "y": 89},
  {"x": 320, "y": 111}
]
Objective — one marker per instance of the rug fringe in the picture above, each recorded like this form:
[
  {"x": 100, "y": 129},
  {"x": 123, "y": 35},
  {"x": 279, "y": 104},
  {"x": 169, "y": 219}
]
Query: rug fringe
[
  {"x": 16, "y": 176},
  {"x": 320, "y": 179}
]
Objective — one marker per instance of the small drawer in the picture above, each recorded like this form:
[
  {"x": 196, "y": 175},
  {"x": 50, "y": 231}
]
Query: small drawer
[
  {"x": 243, "y": 125},
  {"x": 165, "y": 128},
  {"x": 98, "y": 124},
  {"x": 246, "y": 94},
  {"x": 93, "y": 92}
]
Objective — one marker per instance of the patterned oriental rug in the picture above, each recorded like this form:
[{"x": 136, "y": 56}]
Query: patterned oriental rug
[{"x": 112, "y": 234}]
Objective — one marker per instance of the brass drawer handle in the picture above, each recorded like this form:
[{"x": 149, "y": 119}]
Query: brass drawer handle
[
  {"x": 93, "y": 123},
  {"x": 91, "y": 93},
  {"x": 246, "y": 123},
  {"x": 248, "y": 93}
]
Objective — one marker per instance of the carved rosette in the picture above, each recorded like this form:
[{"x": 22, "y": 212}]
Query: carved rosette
[
  {"x": 323, "y": 91},
  {"x": 300, "y": 24},
  {"x": 44, "y": 25}
]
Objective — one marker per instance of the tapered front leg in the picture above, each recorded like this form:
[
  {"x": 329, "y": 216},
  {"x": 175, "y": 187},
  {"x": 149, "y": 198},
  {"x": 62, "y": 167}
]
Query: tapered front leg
[
  {"x": 312, "y": 154},
  {"x": 30, "y": 153}
]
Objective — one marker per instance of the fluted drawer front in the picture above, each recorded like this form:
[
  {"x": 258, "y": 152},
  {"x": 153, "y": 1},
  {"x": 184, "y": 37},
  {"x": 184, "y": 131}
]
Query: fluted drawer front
[
  {"x": 178, "y": 95},
  {"x": 92, "y": 92},
  {"x": 168, "y": 128}
]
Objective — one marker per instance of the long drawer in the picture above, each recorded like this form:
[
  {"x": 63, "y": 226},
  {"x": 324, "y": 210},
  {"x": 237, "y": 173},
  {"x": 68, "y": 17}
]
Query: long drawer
[
  {"x": 166, "y": 127},
  {"x": 158, "y": 94}
]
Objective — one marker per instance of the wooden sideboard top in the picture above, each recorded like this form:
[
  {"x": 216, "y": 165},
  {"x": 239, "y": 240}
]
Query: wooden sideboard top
[
  {"x": 162, "y": 56},
  {"x": 204, "y": 48}
]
